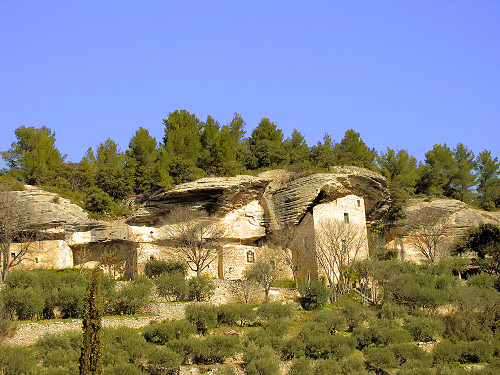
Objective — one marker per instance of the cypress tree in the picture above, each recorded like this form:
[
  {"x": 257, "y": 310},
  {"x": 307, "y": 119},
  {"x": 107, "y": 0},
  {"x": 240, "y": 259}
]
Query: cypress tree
[{"x": 92, "y": 347}]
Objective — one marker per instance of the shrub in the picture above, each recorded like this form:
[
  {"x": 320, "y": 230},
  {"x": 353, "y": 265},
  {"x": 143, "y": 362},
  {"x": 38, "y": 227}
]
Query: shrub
[
  {"x": 126, "y": 343},
  {"x": 414, "y": 367},
  {"x": 214, "y": 349},
  {"x": 21, "y": 279},
  {"x": 391, "y": 311},
  {"x": 292, "y": 348},
  {"x": 70, "y": 300},
  {"x": 235, "y": 314},
  {"x": 260, "y": 361},
  {"x": 475, "y": 351},
  {"x": 313, "y": 296},
  {"x": 200, "y": 288},
  {"x": 202, "y": 316},
  {"x": 123, "y": 369},
  {"x": 269, "y": 311},
  {"x": 407, "y": 351},
  {"x": 271, "y": 334},
  {"x": 332, "y": 320},
  {"x": 161, "y": 333},
  {"x": 172, "y": 286},
  {"x": 380, "y": 358},
  {"x": 162, "y": 360},
  {"x": 26, "y": 303},
  {"x": 326, "y": 366},
  {"x": 353, "y": 365},
  {"x": 423, "y": 328},
  {"x": 454, "y": 369},
  {"x": 482, "y": 281},
  {"x": 133, "y": 296},
  {"x": 354, "y": 313},
  {"x": 446, "y": 351},
  {"x": 14, "y": 361},
  {"x": 382, "y": 332},
  {"x": 316, "y": 340},
  {"x": 341, "y": 346},
  {"x": 301, "y": 366},
  {"x": 155, "y": 268}
]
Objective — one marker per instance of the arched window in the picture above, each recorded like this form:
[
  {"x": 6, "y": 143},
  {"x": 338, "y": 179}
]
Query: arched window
[{"x": 250, "y": 256}]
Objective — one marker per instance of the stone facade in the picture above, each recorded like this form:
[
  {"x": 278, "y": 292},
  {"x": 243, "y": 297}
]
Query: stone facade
[{"x": 249, "y": 207}]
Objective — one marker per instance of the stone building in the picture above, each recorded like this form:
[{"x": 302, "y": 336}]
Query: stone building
[{"x": 251, "y": 208}]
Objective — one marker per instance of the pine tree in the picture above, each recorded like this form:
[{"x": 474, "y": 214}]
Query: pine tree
[{"x": 92, "y": 347}]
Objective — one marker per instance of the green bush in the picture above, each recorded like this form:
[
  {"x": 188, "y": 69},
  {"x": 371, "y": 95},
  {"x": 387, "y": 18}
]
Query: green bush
[
  {"x": 162, "y": 360},
  {"x": 21, "y": 279},
  {"x": 26, "y": 303},
  {"x": 155, "y": 268},
  {"x": 161, "y": 333},
  {"x": 292, "y": 347},
  {"x": 70, "y": 300},
  {"x": 482, "y": 281},
  {"x": 235, "y": 314},
  {"x": 423, "y": 328},
  {"x": 326, "y": 366},
  {"x": 407, "y": 351},
  {"x": 380, "y": 358},
  {"x": 123, "y": 369},
  {"x": 454, "y": 369},
  {"x": 14, "y": 361},
  {"x": 301, "y": 366},
  {"x": 332, "y": 320},
  {"x": 268, "y": 311},
  {"x": 341, "y": 346},
  {"x": 414, "y": 367},
  {"x": 316, "y": 339},
  {"x": 200, "y": 288},
  {"x": 446, "y": 352},
  {"x": 271, "y": 334},
  {"x": 354, "y": 313},
  {"x": 214, "y": 349},
  {"x": 132, "y": 297},
  {"x": 313, "y": 295},
  {"x": 391, "y": 311},
  {"x": 202, "y": 316},
  {"x": 475, "y": 351},
  {"x": 260, "y": 361},
  {"x": 172, "y": 286},
  {"x": 381, "y": 332},
  {"x": 124, "y": 343}
]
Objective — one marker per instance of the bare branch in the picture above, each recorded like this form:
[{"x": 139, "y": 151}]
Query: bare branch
[
  {"x": 427, "y": 239},
  {"x": 195, "y": 236}
]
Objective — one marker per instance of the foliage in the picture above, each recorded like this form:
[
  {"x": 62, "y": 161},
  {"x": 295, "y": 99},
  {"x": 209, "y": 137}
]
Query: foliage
[
  {"x": 155, "y": 268},
  {"x": 268, "y": 311},
  {"x": 313, "y": 295},
  {"x": 130, "y": 298},
  {"x": 202, "y": 316},
  {"x": 200, "y": 288},
  {"x": 172, "y": 286},
  {"x": 235, "y": 314},
  {"x": 92, "y": 347},
  {"x": 161, "y": 333},
  {"x": 260, "y": 360}
]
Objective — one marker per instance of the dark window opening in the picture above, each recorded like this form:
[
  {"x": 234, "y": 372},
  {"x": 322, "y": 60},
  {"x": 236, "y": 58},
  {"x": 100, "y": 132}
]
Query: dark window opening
[
  {"x": 151, "y": 259},
  {"x": 250, "y": 256},
  {"x": 346, "y": 218}
]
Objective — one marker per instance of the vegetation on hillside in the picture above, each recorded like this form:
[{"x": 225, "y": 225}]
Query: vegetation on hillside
[
  {"x": 426, "y": 320},
  {"x": 191, "y": 148}
]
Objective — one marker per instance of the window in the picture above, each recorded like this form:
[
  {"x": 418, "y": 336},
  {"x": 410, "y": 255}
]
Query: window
[
  {"x": 13, "y": 255},
  {"x": 36, "y": 260},
  {"x": 346, "y": 218},
  {"x": 250, "y": 256},
  {"x": 151, "y": 259},
  {"x": 359, "y": 203},
  {"x": 272, "y": 263}
]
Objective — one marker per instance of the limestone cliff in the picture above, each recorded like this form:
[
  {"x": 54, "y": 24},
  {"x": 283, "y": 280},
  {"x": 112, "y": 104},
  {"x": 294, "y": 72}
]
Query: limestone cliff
[{"x": 455, "y": 215}]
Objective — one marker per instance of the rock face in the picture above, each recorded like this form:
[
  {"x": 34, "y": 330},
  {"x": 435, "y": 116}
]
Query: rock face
[
  {"x": 248, "y": 206},
  {"x": 455, "y": 216}
]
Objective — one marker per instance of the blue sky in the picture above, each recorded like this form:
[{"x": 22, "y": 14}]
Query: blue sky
[{"x": 403, "y": 74}]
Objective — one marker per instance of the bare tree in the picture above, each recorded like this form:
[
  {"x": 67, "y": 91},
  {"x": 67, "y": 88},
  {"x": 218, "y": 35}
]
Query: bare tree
[
  {"x": 264, "y": 272},
  {"x": 16, "y": 240},
  {"x": 427, "y": 239},
  {"x": 288, "y": 242},
  {"x": 338, "y": 245},
  {"x": 195, "y": 237}
]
